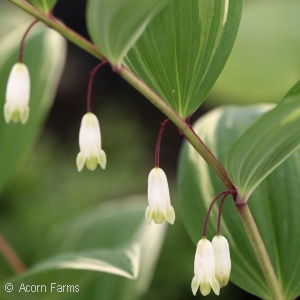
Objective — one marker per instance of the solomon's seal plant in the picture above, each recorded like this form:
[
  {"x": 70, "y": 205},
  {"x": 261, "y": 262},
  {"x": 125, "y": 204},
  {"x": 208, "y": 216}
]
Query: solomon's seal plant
[{"x": 172, "y": 52}]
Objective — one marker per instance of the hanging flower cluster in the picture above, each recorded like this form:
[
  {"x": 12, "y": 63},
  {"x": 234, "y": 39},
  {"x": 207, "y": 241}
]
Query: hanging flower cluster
[
  {"x": 90, "y": 153},
  {"x": 212, "y": 260},
  {"x": 160, "y": 208},
  {"x": 16, "y": 107},
  {"x": 212, "y": 265}
]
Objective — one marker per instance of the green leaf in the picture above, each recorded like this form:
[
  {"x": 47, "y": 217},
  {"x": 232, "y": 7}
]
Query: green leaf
[
  {"x": 274, "y": 204},
  {"x": 44, "y": 56},
  {"x": 182, "y": 52},
  {"x": 44, "y": 5},
  {"x": 115, "y": 25},
  {"x": 263, "y": 146},
  {"x": 292, "y": 94},
  {"x": 94, "y": 241}
]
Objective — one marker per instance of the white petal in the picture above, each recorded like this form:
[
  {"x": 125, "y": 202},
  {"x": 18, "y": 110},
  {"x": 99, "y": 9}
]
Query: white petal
[
  {"x": 204, "y": 267},
  {"x": 90, "y": 142},
  {"x": 159, "y": 197},
  {"x": 158, "y": 189}
]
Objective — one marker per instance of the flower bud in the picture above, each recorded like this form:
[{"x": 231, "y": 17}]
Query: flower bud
[
  {"x": 222, "y": 258},
  {"x": 16, "y": 107},
  {"x": 159, "y": 208},
  {"x": 90, "y": 153},
  {"x": 204, "y": 269}
]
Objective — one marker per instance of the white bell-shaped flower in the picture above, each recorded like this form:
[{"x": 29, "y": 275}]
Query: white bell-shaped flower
[
  {"x": 222, "y": 258},
  {"x": 90, "y": 153},
  {"x": 204, "y": 269},
  {"x": 16, "y": 107},
  {"x": 159, "y": 208}
]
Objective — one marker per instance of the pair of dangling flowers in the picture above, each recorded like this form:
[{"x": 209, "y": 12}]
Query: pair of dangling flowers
[{"x": 212, "y": 263}]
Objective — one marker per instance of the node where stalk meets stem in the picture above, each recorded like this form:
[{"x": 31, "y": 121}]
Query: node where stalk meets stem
[
  {"x": 23, "y": 40},
  {"x": 157, "y": 149},
  {"x": 90, "y": 85}
]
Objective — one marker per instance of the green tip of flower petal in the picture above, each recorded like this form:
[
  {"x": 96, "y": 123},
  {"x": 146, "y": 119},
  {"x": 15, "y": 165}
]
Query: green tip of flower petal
[
  {"x": 80, "y": 161},
  {"x": 149, "y": 215},
  {"x": 24, "y": 115},
  {"x": 158, "y": 217},
  {"x": 7, "y": 113},
  {"x": 224, "y": 281},
  {"x": 215, "y": 286},
  {"x": 15, "y": 116},
  {"x": 170, "y": 214},
  {"x": 195, "y": 285},
  {"x": 102, "y": 159},
  {"x": 91, "y": 163},
  {"x": 205, "y": 288}
]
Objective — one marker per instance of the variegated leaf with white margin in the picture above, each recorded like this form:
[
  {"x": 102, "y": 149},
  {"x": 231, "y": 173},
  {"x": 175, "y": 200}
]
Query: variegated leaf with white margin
[
  {"x": 93, "y": 241},
  {"x": 265, "y": 145}
]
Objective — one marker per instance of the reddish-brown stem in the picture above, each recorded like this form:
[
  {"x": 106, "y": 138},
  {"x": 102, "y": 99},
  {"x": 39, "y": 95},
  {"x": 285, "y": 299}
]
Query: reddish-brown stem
[
  {"x": 225, "y": 193},
  {"x": 90, "y": 85},
  {"x": 11, "y": 256},
  {"x": 23, "y": 40},
  {"x": 157, "y": 149},
  {"x": 220, "y": 213}
]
